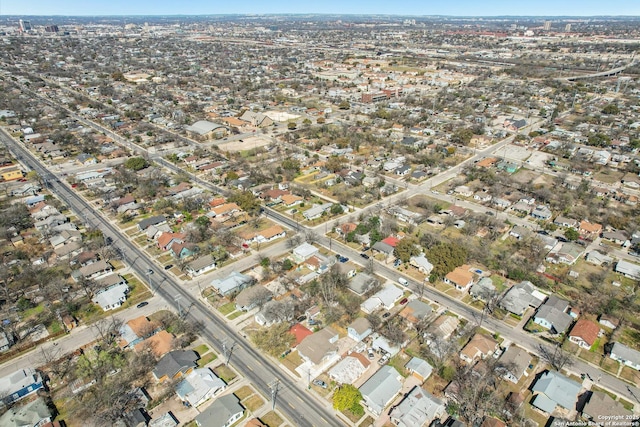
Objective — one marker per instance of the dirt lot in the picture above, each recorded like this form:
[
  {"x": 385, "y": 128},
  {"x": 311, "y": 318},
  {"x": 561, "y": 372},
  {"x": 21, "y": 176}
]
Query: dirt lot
[{"x": 250, "y": 143}]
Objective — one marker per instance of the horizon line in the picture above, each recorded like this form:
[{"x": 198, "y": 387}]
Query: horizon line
[{"x": 321, "y": 14}]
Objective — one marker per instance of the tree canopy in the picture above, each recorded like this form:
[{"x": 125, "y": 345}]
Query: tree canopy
[
  {"x": 348, "y": 397},
  {"x": 136, "y": 163},
  {"x": 445, "y": 257}
]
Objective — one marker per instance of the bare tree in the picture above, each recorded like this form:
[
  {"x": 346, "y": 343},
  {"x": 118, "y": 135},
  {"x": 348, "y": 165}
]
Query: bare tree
[{"x": 555, "y": 356}]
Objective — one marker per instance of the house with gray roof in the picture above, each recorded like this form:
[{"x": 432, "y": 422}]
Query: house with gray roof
[
  {"x": 359, "y": 329},
  {"x": 112, "y": 297},
  {"x": 361, "y": 283},
  {"x": 316, "y": 211},
  {"x": 417, "y": 409},
  {"x": 349, "y": 369},
  {"x": 520, "y": 297},
  {"x": 384, "y": 298},
  {"x": 383, "y": 248},
  {"x": 303, "y": 252},
  {"x": 483, "y": 290},
  {"x": 514, "y": 363},
  {"x": 319, "y": 347},
  {"x": 422, "y": 264},
  {"x": 199, "y": 386},
  {"x": 234, "y": 282},
  {"x": 174, "y": 364},
  {"x": 553, "y": 315},
  {"x": 154, "y": 220},
  {"x": 598, "y": 258},
  {"x": 381, "y": 389},
  {"x": 553, "y": 389},
  {"x": 601, "y": 405},
  {"x": 201, "y": 265},
  {"x": 628, "y": 269},
  {"x": 625, "y": 355},
  {"x": 223, "y": 412},
  {"x": 35, "y": 413},
  {"x": 541, "y": 212},
  {"x": 419, "y": 368}
]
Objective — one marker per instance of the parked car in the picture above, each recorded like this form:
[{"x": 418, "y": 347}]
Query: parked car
[
  {"x": 320, "y": 383},
  {"x": 365, "y": 256},
  {"x": 384, "y": 359},
  {"x": 168, "y": 266},
  {"x": 387, "y": 314},
  {"x": 142, "y": 304},
  {"x": 404, "y": 301},
  {"x": 343, "y": 259}
]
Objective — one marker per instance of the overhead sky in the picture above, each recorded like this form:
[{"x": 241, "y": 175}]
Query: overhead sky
[{"x": 393, "y": 7}]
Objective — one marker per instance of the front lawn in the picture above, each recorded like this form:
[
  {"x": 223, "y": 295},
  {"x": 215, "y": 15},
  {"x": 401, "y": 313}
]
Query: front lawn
[
  {"x": 225, "y": 373},
  {"x": 227, "y": 308},
  {"x": 271, "y": 419},
  {"x": 206, "y": 359}
]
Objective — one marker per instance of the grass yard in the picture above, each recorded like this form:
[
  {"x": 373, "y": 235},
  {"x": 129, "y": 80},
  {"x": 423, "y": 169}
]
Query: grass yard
[
  {"x": 630, "y": 375},
  {"x": 201, "y": 349},
  {"x": 227, "y": 308},
  {"x": 366, "y": 422},
  {"x": 244, "y": 392},
  {"x": 225, "y": 373},
  {"x": 206, "y": 359},
  {"x": 271, "y": 419},
  {"x": 610, "y": 365},
  {"x": 253, "y": 403},
  {"x": 235, "y": 314},
  {"x": 292, "y": 361},
  {"x": 352, "y": 417}
]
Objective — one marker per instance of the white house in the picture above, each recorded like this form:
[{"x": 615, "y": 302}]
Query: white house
[
  {"x": 384, "y": 298},
  {"x": 112, "y": 298},
  {"x": 199, "y": 386}
]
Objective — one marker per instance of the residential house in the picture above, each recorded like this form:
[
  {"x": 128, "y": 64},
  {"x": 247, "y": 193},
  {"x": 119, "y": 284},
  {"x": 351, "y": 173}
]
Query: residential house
[
  {"x": 11, "y": 174},
  {"x": 384, "y": 298},
  {"x": 347, "y": 269},
  {"x": 381, "y": 389},
  {"x": 198, "y": 386},
  {"x": 383, "y": 345},
  {"x": 234, "y": 282},
  {"x": 418, "y": 408},
  {"x": 249, "y": 298},
  {"x": 617, "y": 237},
  {"x": 383, "y": 248},
  {"x": 6, "y": 341},
  {"x": 201, "y": 266},
  {"x": 519, "y": 231},
  {"x": 520, "y": 297},
  {"x": 19, "y": 384},
  {"x": 320, "y": 347},
  {"x": 514, "y": 363},
  {"x": 158, "y": 344},
  {"x": 553, "y": 315},
  {"x": 461, "y": 278},
  {"x": 36, "y": 413},
  {"x": 589, "y": 230},
  {"x": 111, "y": 298},
  {"x": 349, "y": 369},
  {"x": 608, "y": 321},
  {"x": 303, "y": 252},
  {"x": 422, "y": 264},
  {"x": 175, "y": 364},
  {"x": 625, "y": 355},
  {"x": 415, "y": 311},
  {"x": 584, "y": 333},
  {"x": 181, "y": 250},
  {"x": 479, "y": 347},
  {"x": 316, "y": 211},
  {"x": 563, "y": 221},
  {"x": 598, "y": 258},
  {"x": 274, "y": 311},
  {"x": 290, "y": 200},
  {"x": 148, "y": 222},
  {"x": 225, "y": 210},
  {"x": 110, "y": 281},
  {"x": 344, "y": 229},
  {"x": 403, "y": 170},
  {"x": 541, "y": 212},
  {"x": 96, "y": 270},
  {"x": 484, "y": 290},
  {"x": 406, "y": 215},
  {"x": 628, "y": 269},
  {"x": 359, "y": 329},
  {"x": 165, "y": 420},
  {"x": 361, "y": 283},
  {"x": 600, "y": 406},
  {"x": 553, "y": 390},
  {"x": 299, "y": 333},
  {"x": 565, "y": 253},
  {"x": 165, "y": 240},
  {"x": 419, "y": 368},
  {"x": 136, "y": 330},
  {"x": 223, "y": 412},
  {"x": 443, "y": 327},
  {"x": 256, "y": 119}
]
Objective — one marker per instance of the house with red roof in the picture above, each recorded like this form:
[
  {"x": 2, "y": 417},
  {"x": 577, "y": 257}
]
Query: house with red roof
[
  {"x": 391, "y": 241},
  {"x": 584, "y": 333},
  {"x": 300, "y": 333},
  {"x": 167, "y": 239}
]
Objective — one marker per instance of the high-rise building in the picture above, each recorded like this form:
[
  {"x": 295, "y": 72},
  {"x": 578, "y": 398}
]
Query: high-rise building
[
  {"x": 547, "y": 25},
  {"x": 51, "y": 29},
  {"x": 24, "y": 26},
  {"x": 567, "y": 28}
]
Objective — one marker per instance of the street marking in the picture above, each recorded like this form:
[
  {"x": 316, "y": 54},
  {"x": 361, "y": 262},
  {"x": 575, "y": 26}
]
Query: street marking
[{"x": 292, "y": 407}]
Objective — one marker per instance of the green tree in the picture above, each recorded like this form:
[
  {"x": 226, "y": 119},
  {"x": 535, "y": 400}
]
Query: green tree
[
  {"x": 246, "y": 200},
  {"x": 462, "y": 136},
  {"x": 136, "y": 163},
  {"x": 348, "y": 397},
  {"x": 406, "y": 248},
  {"x": 611, "y": 109},
  {"x": 445, "y": 257},
  {"x": 334, "y": 163},
  {"x": 291, "y": 126},
  {"x": 275, "y": 339},
  {"x": 571, "y": 234},
  {"x": 344, "y": 105},
  {"x": 336, "y": 209}
]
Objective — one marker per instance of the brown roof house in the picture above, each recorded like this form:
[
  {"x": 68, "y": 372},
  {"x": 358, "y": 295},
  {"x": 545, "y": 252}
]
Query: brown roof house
[
  {"x": 584, "y": 333},
  {"x": 461, "y": 278},
  {"x": 320, "y": 348},
  {"x": 479, "y": 347}
]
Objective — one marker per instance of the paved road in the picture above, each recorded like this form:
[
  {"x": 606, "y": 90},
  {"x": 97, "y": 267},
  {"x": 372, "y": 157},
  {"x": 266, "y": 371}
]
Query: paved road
[{"x": 260, "y": 370}]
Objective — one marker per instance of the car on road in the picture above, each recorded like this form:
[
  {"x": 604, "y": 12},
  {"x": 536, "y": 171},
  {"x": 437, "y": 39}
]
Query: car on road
[
  {"x": 365, "y": 256},
  {"x": 403, "y": 281},
  {"x": 320, "y": 383},
  {"x": 387, "y": 314},
  {"x": 142, "y": 304},
  {"x": 168, "y": 266},
  {"x": 343, "y": 259},
  {"x": 489, "y": 213},
  {"x": 397, "y": 263}
]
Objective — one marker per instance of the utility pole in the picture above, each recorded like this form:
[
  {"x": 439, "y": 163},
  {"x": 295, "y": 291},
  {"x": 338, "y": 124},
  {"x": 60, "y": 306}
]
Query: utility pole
[
  {"x": 227, "y": 350},
  {"x": 274, "y": 392}
]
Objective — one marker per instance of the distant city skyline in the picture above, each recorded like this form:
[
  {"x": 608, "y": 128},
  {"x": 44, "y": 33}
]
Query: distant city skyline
[{"x": 402, "y": 7}]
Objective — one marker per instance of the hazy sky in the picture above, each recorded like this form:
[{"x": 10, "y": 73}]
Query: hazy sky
[{"x": 394, "y": 7}]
